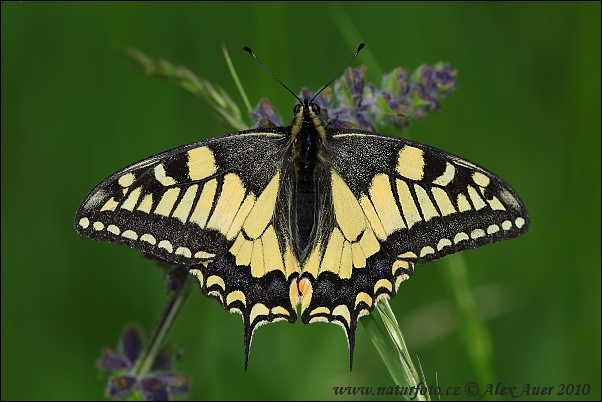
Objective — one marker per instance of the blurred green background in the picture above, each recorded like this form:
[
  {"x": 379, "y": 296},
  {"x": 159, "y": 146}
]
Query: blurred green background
[{"x": 74, "y": 111}]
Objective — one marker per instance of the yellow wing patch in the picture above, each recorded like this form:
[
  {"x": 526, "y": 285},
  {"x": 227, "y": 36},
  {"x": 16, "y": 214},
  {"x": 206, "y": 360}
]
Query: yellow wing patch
[{"x": 352, "y": 240}]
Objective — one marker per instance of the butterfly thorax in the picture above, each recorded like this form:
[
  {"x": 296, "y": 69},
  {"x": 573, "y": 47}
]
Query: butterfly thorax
[{"x": 308, "y": 135}]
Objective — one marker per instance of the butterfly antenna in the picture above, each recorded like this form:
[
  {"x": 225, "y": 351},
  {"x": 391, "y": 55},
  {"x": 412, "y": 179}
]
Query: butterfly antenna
[
  {"x": 360, "y": 47},
  {"x": 248, "y": 50}
]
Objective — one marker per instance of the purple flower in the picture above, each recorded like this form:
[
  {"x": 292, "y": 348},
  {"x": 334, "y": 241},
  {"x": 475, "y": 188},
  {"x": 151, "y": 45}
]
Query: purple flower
[
  {"x": 354, "y": 103},
  {"x": 158, "y": 385},
  {"x": 265, "y": 116}
]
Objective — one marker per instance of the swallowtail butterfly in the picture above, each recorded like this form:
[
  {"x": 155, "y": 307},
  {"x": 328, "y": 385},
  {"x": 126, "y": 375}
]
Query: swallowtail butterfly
[{"x": 329, "y": 219}]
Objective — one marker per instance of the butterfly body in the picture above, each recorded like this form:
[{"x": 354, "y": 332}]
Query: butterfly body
[{"x": 331, "y": 220}]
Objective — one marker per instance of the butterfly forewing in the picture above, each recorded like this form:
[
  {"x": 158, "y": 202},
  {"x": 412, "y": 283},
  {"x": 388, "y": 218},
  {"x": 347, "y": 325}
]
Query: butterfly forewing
[
  {"x": 185, "y": 204},
  {"x": 219, "y": 206},
  {"x": 425, "y": 203}
]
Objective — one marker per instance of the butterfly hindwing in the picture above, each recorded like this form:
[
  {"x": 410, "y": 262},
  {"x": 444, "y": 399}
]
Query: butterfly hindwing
[
  {"x": 211, "y": 206},
  {"x": 389, "y": 203}
]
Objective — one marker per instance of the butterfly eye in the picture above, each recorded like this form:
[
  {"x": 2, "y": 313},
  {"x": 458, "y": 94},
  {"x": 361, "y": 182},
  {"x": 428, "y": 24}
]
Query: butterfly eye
[
  {"x": 297, "y": 109},
  {"x": 315, "y": 108}
]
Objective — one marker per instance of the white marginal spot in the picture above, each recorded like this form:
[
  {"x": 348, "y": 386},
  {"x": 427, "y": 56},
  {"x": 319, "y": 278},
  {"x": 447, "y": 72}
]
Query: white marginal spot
[
  {"x": 475, "y": 234},
  {"x": 426, "y": 250},
  {"x": 165, "y": 244},
  {"x": 126, "y": 180},
  {"x": 506, "y": 225},
  {"x": 493, "y": 229},
  {"x": 410, "y": 163},
  {"x": 461, "y": 236},
  {"x": 113, "y": 229},
  {"x": 480, "y": 179},
  {"x": 443, "y": 243},
  {"x": 98, "y": 225},
  {"x": 130, "y": 234},
  {"x": 519, "y": 222},
  {"x": 183, "y": 251},
  {"x": 84, "y": 222},
  {"x": 447, "y": 176},
  {"x": 149, "y": 238},
  {"x": 162, "y": 177}
]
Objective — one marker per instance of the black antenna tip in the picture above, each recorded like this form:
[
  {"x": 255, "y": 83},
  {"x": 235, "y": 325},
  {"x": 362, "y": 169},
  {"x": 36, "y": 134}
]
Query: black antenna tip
[
  {"x": 248, "y": 49},
  {"x": 360, "y": 47}
]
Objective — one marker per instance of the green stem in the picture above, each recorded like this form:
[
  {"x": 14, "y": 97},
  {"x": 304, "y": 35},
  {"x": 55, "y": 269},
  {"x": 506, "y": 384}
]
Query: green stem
[
  {"x": 164, "y": 323},
  {"x": 388, "y": 340},
  {"x": 476, "y": 336}
]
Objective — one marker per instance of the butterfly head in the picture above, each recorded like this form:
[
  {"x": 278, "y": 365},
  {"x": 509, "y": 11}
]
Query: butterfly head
[{"x": 307, "y": 128}]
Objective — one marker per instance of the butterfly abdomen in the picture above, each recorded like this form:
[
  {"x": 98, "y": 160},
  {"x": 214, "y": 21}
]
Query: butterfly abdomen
[{"x": 305, "y": 208}]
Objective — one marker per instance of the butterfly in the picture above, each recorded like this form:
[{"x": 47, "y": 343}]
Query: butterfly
[{"x": 328, "y": 219}]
